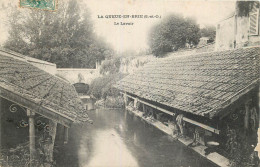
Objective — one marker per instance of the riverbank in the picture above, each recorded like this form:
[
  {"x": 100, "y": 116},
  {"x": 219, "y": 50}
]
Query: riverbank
[
  {"x": 213, "y": 157},
  {"x": 110, "y": 102}
]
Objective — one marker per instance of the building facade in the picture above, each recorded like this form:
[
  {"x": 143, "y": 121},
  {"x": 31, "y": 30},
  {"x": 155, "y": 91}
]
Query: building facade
[{"x": 239, "y": 30}]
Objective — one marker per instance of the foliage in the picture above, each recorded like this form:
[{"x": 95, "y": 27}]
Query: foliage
[
  {"x": 172, "y": 33},
  {"x": 244, "y": 7},
  {"x": 20, "y": 156},
  {"x": 110, "y": 66},
  {"x": 209, "y": 31},
  {"x": 103, "y": 86},
  {"x": 64, "y": 37},
  {"x": 241, "y": 153}
]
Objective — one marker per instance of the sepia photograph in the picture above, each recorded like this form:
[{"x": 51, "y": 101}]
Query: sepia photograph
[{"x": 129, "y": 83}]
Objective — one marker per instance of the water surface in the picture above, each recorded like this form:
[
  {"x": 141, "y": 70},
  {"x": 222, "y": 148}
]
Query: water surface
[{"x": 119, "y": 139}]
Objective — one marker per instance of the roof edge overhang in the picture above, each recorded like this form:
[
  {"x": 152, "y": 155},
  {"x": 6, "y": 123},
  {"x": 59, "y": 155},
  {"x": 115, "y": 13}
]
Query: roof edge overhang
[
  {"x": 164, "y": 105},
  {"x": 167, "y": 111},
  {"x": 34, "y": 106},
  {"x": 220, "y": 111}
]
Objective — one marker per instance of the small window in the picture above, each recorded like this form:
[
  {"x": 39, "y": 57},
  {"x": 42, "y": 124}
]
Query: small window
[{"x": 253, "y": 22}]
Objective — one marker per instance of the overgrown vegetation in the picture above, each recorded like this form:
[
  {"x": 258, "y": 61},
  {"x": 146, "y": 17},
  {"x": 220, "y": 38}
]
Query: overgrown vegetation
[
  {"x": 172, "y": 33},
  {"x": 176, "y": 32},
  {"x": 244, "y": 7},
  {"x": 113, "y": 70},
  {"x": 111, "y": 66},
  {"x": 102, "y": 89},
  {"x": 209, "y": 31},
  {"x": 103, "y": 86},
  {"x": 64, "y": 37},
  {"x": 20, "y": 156}
]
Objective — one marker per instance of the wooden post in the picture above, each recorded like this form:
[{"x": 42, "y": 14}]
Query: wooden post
[
  {"x": 50, "y": 146},
  {"x": 246, "y": 118},
  {"x": 125, "y": 99},
  {"x": 135, "y": 102},
  {"x": 60, "y": 132},
  {"x": 66, "y": 135},
  {"x": 0, "y": 125},
  {"x": 31, "y": 115}
]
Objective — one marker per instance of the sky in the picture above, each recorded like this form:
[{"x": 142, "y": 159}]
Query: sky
[{"x": 134, "y": 37}]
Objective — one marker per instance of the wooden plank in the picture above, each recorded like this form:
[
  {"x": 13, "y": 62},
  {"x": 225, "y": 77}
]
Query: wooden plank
[{"x": 44, "y": 111}]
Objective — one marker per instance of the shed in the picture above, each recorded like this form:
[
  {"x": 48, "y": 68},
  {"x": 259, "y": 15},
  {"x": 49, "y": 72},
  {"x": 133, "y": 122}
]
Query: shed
[
  {"x": 202, "y": 84},
  {"x": 217, "y": 92},
  {"x": 40, "y": 93}
]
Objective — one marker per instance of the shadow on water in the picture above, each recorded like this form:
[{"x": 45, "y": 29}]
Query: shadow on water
[{"x": 120, "y": 139}]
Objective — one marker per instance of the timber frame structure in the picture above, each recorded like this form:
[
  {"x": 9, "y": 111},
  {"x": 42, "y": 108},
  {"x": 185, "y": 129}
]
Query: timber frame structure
[
  {"x": 213, "y": 95},
  {"x": 40, "y": 93}
]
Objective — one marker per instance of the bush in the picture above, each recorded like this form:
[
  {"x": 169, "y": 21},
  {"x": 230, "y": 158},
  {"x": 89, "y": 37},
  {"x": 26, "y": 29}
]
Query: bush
[
  {"x": 110, "y": 66},
  {"x": 103, "y": 86}
]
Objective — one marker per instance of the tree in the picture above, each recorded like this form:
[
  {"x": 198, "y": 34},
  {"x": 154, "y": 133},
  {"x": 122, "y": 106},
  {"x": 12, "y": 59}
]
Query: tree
[
  {"x": 110, "y": 66},
  {"x": 172, "y": 33},
  {"x": 209, "y": 31},
  {"x": 103, "y": 86},
  {"x": 64, "y": 37}
]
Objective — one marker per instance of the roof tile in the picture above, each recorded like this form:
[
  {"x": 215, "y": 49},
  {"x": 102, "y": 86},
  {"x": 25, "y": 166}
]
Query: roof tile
[
  {"x": 34, "y": 83},
  {"x": 199, "y": 84}
]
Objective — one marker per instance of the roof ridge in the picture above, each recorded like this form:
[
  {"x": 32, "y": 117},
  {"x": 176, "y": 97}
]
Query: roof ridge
[
  {"x": 22, "y": 57},
  {"x": 214, "y": 87}
]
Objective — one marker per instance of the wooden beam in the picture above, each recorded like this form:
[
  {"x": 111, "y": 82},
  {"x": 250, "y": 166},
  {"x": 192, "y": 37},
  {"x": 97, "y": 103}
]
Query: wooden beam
[
  {"x": 44, "y": 111},
  {"x": 211, "y": 129},
  {"x": 31, "y": 115},
  {"x": 151, "y": 105},
  {"x": 184, "y": 118}
]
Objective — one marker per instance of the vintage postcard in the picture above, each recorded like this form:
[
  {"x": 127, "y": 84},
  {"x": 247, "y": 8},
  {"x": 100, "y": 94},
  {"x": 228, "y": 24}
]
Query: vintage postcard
[{"x": 129, "y": 83}]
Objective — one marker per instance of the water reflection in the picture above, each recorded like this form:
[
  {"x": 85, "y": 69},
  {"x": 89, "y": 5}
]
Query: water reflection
[
  {"x": 110, "y": 150},
  {"x": 120, "y": 139}
]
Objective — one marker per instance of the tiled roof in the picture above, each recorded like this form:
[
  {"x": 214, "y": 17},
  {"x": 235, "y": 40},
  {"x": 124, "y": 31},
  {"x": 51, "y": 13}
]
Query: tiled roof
[
  {"x": 42, "y": 88},
  {"x": 201, "y": 84}
]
